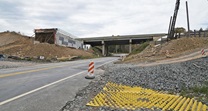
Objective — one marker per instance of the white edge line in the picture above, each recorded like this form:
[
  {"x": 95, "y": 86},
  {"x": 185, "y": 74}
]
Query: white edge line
[{"x": 27, "y": 93}]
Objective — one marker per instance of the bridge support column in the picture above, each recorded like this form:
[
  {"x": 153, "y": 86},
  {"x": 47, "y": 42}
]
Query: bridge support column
[
  {"x": 130, "y": 45},
  {"x": 83, "y": 45},
  {"x": 106, "y": 50},
  {"x": 103, "y": 48}
]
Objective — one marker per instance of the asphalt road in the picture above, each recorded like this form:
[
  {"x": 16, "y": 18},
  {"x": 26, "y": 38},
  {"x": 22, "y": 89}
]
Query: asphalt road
[{"x": 45, "y": 87}]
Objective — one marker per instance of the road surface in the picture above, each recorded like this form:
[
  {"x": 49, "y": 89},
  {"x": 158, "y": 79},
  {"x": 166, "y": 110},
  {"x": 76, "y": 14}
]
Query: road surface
[{"x": 45, "y": 87}]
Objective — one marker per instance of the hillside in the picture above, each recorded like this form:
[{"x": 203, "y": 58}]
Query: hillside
[
  {"x": 174, "y": 48},
  {"x": 11, "y": 37},
  {"x": 12, "y": 43}
]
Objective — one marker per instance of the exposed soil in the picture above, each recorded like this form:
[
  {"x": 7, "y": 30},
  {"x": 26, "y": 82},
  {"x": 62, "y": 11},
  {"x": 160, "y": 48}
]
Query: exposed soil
[
  {"x": 171, "y": 49},
  {"x": 12, "y": 43},
  {"x": 11, "y": 37}
]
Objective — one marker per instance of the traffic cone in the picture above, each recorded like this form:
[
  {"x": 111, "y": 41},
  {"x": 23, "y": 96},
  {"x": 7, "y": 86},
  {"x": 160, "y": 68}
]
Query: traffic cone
[{"x": 90, "y": 74}]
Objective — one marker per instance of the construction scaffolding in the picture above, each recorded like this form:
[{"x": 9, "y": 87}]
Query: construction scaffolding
[{"x": 45, "y": 35}]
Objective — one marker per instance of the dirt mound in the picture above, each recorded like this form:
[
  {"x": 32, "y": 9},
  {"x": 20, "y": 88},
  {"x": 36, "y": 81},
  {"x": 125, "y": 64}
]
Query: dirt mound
[
  {"x": 170, "y": 49},
  {"x": 23, "y": 46},
  {"x": 11, "y": 37}
]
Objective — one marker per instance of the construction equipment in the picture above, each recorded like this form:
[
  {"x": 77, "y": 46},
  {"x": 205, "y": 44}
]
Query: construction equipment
[{"x": 173, "y": 22}]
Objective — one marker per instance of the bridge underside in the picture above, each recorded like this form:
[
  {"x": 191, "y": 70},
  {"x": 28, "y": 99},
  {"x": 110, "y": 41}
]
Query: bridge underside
[
  {"x": 105, "y": 44},
  {"x": 117, "y": 42}
]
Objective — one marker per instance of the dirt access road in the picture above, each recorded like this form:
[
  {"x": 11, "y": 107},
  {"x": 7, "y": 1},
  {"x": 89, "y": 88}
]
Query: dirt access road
[{"x": 187, "y": 57}]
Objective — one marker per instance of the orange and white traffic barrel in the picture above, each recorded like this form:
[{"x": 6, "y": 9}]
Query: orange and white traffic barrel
[
  {"x": 90, "y": 74},
  {"x": 203, "y": 52},
  {"x": 91, "y": 68}
]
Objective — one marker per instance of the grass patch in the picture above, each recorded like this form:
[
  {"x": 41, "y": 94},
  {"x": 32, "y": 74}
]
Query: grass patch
[
  {"x": 199, "y": 93},
  {"x": 203, "y": 90},
  {"x": 140, "y": 48},
  {"x": 97, "y": 51}
]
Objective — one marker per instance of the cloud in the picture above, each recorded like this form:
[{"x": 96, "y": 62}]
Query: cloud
[{"x": 99, "y": 18}]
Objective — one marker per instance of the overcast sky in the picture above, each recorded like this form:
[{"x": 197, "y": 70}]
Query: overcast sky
[{"x": 87, "y": 18}]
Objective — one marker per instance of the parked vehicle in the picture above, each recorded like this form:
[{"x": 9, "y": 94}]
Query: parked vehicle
[{"x": 2, "y": 57}]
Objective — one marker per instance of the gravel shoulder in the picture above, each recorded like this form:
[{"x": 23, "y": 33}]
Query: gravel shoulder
[
  {"x": 172, "y": 78},
  {"x": 15, "y": 64}
]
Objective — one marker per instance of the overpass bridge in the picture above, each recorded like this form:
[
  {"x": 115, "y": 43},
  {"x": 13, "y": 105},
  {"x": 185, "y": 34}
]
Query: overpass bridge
[{"x": 105, "y": 41}]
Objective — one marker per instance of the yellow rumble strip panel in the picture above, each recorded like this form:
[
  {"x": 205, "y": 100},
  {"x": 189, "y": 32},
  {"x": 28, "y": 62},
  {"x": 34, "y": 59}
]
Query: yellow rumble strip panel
[{"x": 126, "y": 97}]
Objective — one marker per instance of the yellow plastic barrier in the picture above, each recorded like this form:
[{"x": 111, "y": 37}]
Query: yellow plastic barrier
[{"x": 132, "y": 98}]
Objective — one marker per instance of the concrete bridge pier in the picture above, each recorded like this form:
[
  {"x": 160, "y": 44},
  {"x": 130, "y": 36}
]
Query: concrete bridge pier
[
  {"x": 106, "y": 50},
  {"x": 130, "y": 45},
  {"x": 103, "y": 48}
]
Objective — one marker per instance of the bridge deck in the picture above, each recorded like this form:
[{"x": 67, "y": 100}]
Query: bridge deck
[{"x": 121, "y": 37}]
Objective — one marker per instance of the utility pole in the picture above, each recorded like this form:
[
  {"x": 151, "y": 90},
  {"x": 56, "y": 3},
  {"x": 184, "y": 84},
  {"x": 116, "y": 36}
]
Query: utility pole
[
  {"x": 188, "y": 25},
  {"x": 169, "y": 26}
]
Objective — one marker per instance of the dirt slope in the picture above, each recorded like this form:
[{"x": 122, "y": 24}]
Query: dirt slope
[
  {"x": 170, "y": 49},
  {"x": 11, "y": 37},
  {"x": 15, "y": 44}
]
